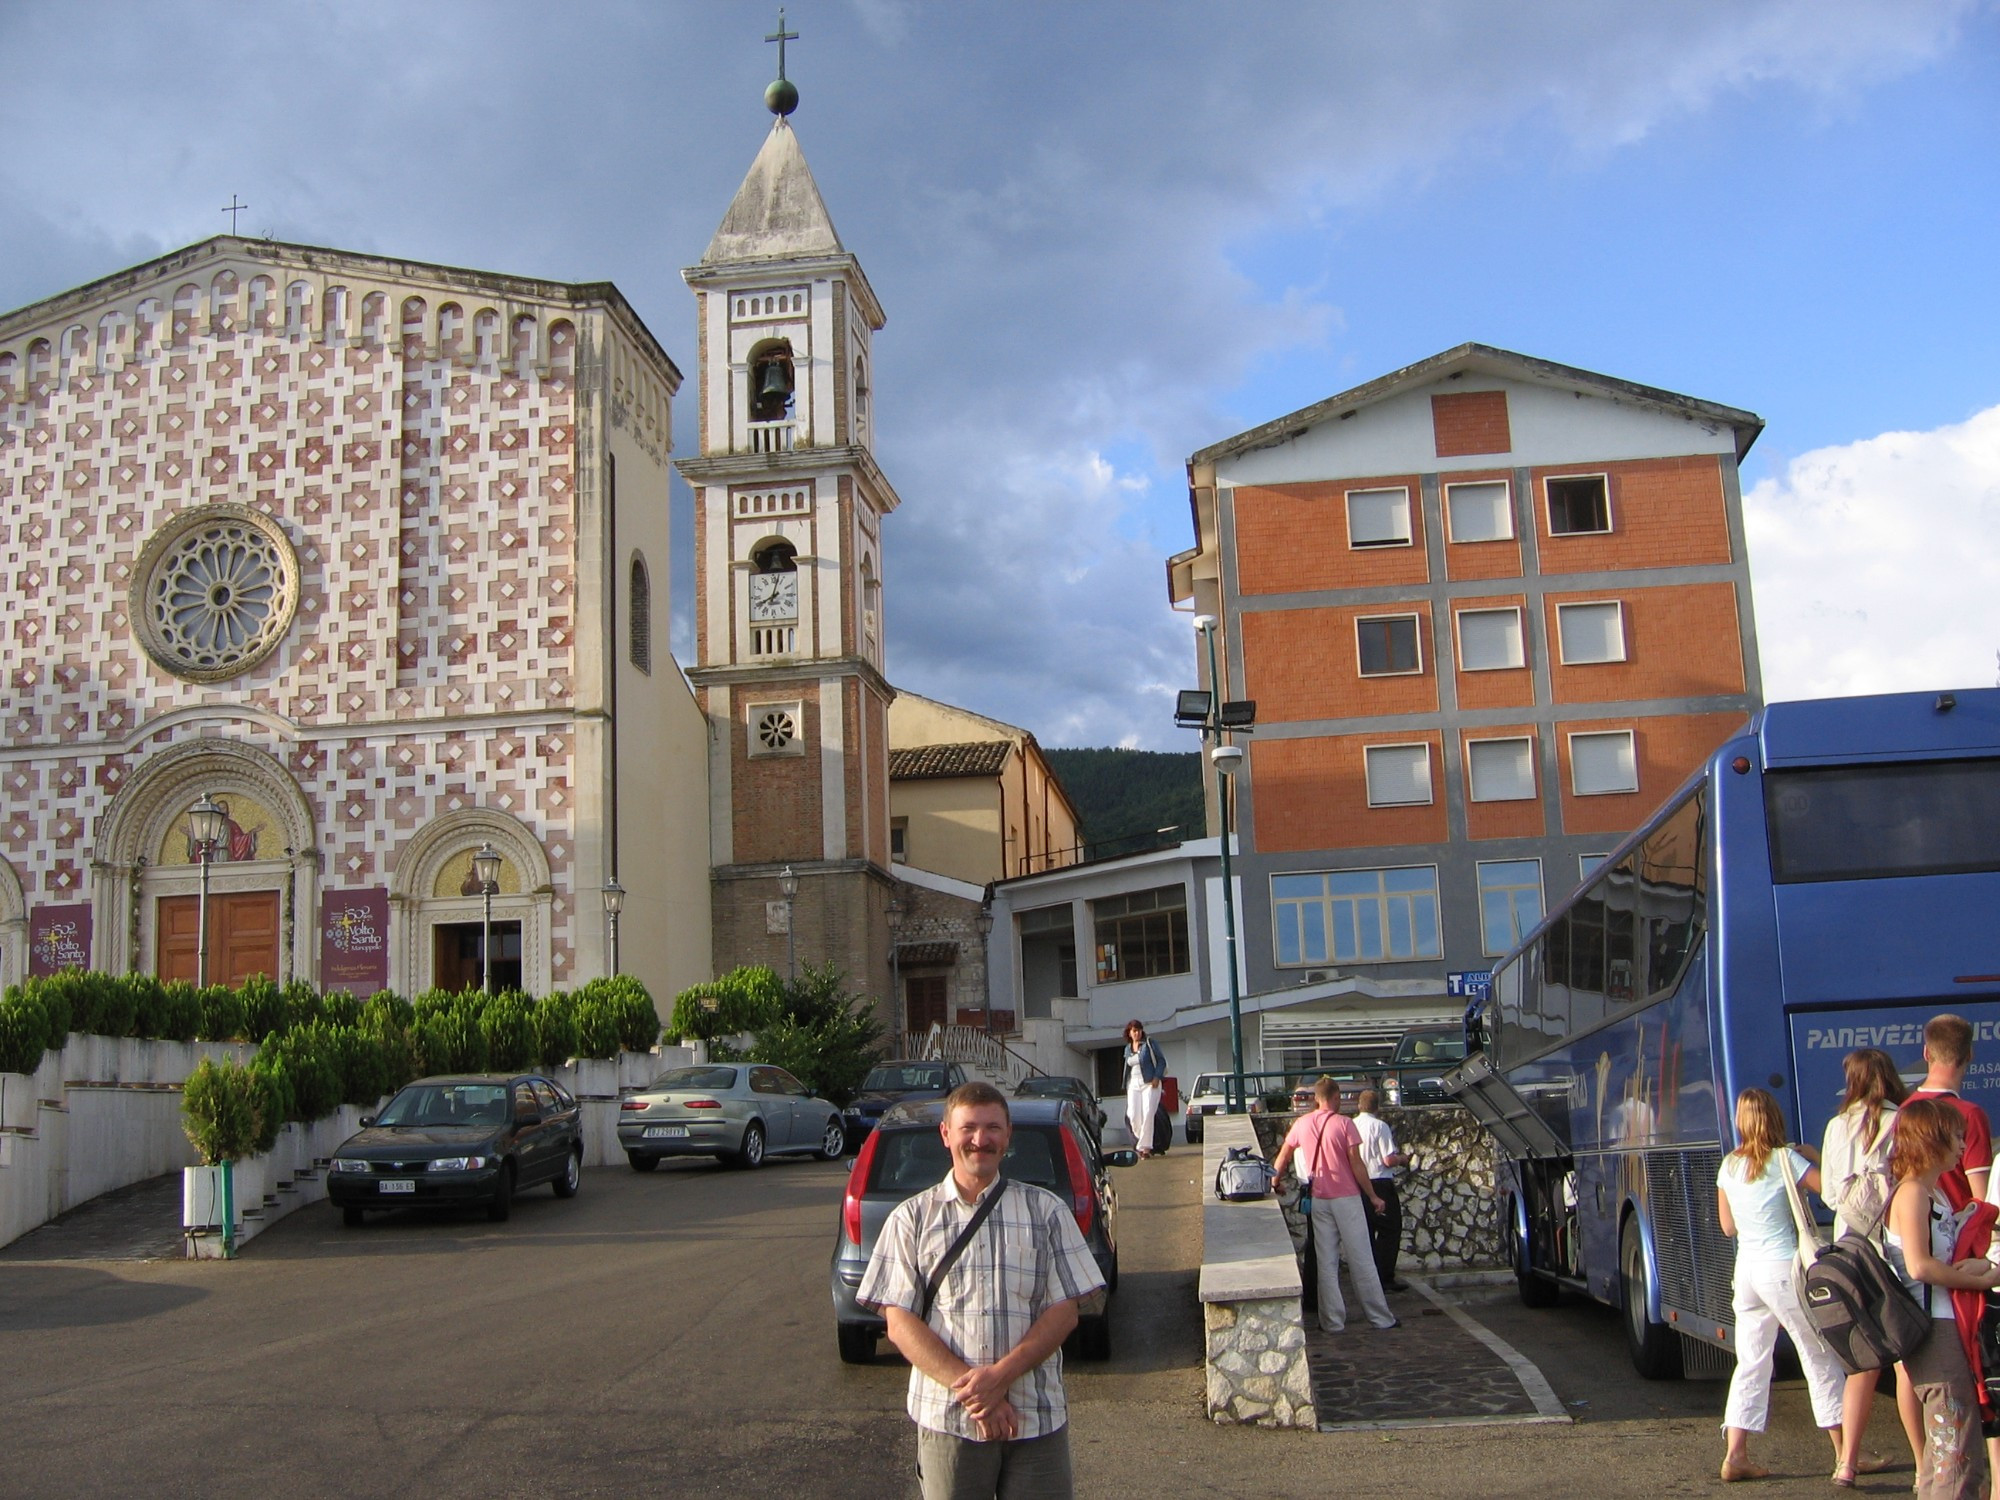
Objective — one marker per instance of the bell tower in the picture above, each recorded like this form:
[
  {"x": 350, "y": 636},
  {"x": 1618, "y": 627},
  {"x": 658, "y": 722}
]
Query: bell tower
[{"x": 789, "y": 504}]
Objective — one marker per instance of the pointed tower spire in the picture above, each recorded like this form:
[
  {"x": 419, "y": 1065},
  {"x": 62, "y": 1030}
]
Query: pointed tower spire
[{"x": 778, "y": 211}]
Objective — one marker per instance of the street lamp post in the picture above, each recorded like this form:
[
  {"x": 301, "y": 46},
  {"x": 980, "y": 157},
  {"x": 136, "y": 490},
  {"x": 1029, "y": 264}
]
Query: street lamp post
[
  {"x": 486, "y": 870},
  {"x": 984, "y": 923},
  {"x": 893, "y": 915},
  {"x": 208, "y": 823},
  {"x": 788, "y": 887},
  {"x": 614, "y": 903},
  {"x": 1208, "y": 712}
]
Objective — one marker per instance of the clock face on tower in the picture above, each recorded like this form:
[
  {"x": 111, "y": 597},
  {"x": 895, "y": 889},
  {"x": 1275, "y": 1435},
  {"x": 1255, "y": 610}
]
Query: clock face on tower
[{"x": 774, "y": 596}]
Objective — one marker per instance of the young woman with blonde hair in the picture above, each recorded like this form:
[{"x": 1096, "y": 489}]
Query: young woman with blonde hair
[
  {"x": 1930, "y": 1138},
  {"x": 1856, "y": 1183},
  {"x": 1753, "y": 1201}
]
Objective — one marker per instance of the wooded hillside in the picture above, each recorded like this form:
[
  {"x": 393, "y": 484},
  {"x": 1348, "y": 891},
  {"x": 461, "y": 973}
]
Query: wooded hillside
[{"x": 1125, "y": 796}]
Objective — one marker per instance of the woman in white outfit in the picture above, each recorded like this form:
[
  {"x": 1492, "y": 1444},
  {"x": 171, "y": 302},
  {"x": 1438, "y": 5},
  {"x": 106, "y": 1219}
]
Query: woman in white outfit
[
  {"x": 1857, "y": 1183},
  {"x": 1754, "y": 1205},
  {"x": 1145, "y": 1074}
]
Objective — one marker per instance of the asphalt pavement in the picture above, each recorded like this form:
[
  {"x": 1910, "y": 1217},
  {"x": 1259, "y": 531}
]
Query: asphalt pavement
[{"x": 671, "y": 1335}]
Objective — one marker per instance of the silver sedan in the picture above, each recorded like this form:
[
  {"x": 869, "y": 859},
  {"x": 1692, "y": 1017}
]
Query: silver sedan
[{"x": 735, "y": 1112}]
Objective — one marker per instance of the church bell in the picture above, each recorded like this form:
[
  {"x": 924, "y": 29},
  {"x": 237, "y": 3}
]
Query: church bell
[{"x": 777, "y": 381}]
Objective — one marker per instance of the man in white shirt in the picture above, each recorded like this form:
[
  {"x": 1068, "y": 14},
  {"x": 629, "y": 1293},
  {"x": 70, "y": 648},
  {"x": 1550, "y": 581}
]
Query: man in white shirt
[{"x": 1380, "y": 1156}]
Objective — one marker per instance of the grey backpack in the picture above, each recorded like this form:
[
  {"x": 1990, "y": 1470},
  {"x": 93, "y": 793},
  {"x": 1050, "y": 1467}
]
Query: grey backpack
[{"x": 1243, "y": 1175}]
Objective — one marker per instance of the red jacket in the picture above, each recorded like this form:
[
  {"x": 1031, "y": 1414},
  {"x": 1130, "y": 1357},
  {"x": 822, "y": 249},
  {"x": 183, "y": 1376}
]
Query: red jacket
[{"x": 1974, "y": 1239}]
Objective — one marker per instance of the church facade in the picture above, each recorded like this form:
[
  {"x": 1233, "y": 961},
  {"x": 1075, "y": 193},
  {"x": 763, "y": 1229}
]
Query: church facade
[{"x": 372, "y": 554}]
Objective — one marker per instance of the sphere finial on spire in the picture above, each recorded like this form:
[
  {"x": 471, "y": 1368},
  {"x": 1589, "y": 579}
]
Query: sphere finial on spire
[{"x": 782, "y": 97}]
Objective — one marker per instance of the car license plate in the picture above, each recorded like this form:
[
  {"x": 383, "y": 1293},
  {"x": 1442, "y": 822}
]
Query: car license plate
[
  {"x": 658, "y": 1132},
  {"x": 396, "y": 1185}
]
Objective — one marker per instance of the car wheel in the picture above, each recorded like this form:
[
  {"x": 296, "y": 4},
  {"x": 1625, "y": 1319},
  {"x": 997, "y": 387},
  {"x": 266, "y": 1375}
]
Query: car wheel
[
  {"x": 641, "y": 1162},
  {"x": 751, "y": 1154},
  {"x": 1536, "y": 1291},
  {"x": 502, "y": 1205},
  {"x": 352, "y": 1217},
  {"x": 857, "y": 1344},
  {"x": 1192, "y": 1130},
  {"x": 572, "y": 1176},
  {"x": 1092, "y": 1339},
  {"x": 834, "y": 1142}
]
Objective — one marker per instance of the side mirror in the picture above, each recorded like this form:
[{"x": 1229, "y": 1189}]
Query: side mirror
[
  {"x": 366, "y": 1121},
  {"x": 1125, "y": 1158}
]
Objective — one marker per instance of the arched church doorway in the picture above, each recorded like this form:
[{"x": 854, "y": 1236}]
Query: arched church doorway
[{"x": 262, "y": 867}]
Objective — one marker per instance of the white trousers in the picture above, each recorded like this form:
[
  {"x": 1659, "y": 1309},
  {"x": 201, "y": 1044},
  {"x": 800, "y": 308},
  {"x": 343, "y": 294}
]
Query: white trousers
[
  {"x": 1340, "y": 1232},
  {"x": 1765, "y": 1299},
  {"x": 1142, "y": 1101}
]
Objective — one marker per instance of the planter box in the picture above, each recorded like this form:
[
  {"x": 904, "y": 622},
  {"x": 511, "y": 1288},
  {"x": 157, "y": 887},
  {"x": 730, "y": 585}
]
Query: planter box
[{"x": 201, "y": 1199}]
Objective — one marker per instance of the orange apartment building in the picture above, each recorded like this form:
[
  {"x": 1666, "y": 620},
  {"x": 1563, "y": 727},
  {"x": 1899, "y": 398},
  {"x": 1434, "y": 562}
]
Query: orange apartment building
[{"x": 1492, "y": 610}]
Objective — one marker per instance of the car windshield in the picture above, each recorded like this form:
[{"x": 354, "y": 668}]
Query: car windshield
[
  {"x": 898, "y": 1077},
  {"x": 908, "y": 1161},
  {"x": 693, "y": 1078},
  {"x": 1436, "y": 1047},
  {"x": 1045, "y": 1086},
  {"x": 447, "y": 1104}
]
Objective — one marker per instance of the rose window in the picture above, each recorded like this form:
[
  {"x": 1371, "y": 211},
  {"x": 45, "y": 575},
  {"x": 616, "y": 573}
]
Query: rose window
[
  {"x": 776, "y": 729},
  {"x": 215, "y": 592}
]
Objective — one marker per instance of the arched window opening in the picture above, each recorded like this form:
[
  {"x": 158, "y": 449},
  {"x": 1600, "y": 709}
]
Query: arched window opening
[
  {"x": 640, "y": 609},
  {"x": 771, "y": 381},
  {"x": 860, "y": 388}
]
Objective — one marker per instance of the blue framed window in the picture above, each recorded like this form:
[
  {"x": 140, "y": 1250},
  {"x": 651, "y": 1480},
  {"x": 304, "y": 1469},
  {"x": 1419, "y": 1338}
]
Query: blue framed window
[
  {"x": 1356, "y": 916},
  {"x": 1510, "y": 902}
]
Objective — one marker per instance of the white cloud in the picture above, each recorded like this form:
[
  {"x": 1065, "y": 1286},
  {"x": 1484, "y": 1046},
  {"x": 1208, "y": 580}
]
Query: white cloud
[{"x": 1876, "y": 565}]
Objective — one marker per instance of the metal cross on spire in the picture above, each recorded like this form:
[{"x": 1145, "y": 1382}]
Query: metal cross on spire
[
  {"x": 780, "y": 36},
  {"x": 236, "y": 208}
]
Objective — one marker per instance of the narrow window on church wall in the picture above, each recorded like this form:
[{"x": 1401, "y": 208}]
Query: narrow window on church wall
[{"x": 640, "y": 615}]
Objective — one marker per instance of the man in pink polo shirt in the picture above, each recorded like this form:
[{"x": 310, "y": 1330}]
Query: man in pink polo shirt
[{"x": 1329, "y": 1150}]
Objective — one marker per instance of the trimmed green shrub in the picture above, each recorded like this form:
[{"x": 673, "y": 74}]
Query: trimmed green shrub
[
  {"x": 113, "y": 1003},
  {"x": 171, "y": 1012},
  {"x": 55, "y": 1003},
  {"x": 453, "y": 1042},
  {"x": 386, "y": 1012},
  {"x": 221, "y": 1111},
  {"x": 222, "y": 1017},
  {"x": 273, "y": 1102},
  {"x": 263, "y": 1008},
  {"x": 556, "y": 1036},
  {"x": 67, "y": 1002},
  {"x": 596, "y": 1026},
  {"x": 303, "y": 1003},
  {"x": 631, "y": 1006},
  {"x": 24, "y": 1030},
  {"x": 313, "y": 1073},
  {"x": 509, "y": 1028},
  {"x": 338, "y": 1008},
  {"x": 276, "y": 1072},
  {"x": 741, "y": 1000},
  {"x": 434, "y": 1002}
]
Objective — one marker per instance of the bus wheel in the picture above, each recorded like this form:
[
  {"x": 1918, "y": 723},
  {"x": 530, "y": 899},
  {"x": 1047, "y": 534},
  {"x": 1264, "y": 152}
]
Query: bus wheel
[
  {"x": 1536, "y": 1291},
  {"x": 1655, "y": 1348}
]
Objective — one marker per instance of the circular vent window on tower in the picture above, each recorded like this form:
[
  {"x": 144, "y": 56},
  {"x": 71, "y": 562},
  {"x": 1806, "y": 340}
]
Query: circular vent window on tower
[
  {"x": 776, "y": 729},
  {"x": 215, "y": 591}
]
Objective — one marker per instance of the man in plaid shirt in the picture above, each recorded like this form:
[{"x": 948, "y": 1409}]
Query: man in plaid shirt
[{"x": 986, "y": 1367}]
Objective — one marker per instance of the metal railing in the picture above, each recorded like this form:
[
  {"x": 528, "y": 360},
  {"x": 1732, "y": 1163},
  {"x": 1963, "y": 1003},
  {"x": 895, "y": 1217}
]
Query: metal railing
[{"x": 968, "y": 1044}]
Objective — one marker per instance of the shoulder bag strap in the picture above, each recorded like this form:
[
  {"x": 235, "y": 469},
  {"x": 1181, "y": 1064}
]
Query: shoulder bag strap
[
  {"x": 958, "y": 1248},
  {"x": 1809, "y": 1242}
]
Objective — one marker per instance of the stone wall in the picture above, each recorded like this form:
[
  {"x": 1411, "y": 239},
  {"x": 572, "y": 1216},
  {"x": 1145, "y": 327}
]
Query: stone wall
[
  {"x": 1256, "y": 1363},
  {"x": 1451, "y": 1217}
]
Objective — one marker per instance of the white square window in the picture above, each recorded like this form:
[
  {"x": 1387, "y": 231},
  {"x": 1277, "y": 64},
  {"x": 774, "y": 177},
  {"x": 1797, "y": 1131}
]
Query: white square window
[
  {"x": 1602, "y": 762},
  {"x": 1586, "y": 865},
  {"x": 1398, "y": 775},
  {"x": 1378, "y": 518},
  {"x": 1501, "y": 770},
  {"x": 1479, "y": 512},
  {"x": 1489, "y": 639},
  {"x": 1591, "y": 632}
]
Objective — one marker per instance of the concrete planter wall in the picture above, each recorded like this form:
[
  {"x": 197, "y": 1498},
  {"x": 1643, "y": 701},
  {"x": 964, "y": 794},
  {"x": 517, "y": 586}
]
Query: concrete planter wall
[{"x": 105, "y": 1112}]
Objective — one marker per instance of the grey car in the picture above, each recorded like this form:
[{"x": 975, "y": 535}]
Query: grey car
[
  {"x": 735, "y": 1112},
  {"x": 1053, "y": 1147}
]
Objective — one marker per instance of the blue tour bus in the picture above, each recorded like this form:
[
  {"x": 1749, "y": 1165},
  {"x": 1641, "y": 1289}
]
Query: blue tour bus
[{"x": 1829, "y": 880}]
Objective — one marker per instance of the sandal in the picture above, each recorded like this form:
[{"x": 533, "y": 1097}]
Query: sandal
[
  {"x": 1843, "y": 1475},
  {"x": 1873, "y": 1463},
  {"x": 1734, "y": 1473}
]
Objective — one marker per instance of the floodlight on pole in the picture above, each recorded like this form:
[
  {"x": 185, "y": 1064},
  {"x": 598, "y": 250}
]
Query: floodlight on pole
[
  {"x": 208, "y": 825},
  {"x": 614, "y": 903},
  {"x": 788, "y": 887},
  {"x": 1218, "y": 719}
]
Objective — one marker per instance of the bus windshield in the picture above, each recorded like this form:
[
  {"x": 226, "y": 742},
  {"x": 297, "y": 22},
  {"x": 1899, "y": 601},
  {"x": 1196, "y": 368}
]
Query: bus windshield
[{"x": 1871, "y": 822}]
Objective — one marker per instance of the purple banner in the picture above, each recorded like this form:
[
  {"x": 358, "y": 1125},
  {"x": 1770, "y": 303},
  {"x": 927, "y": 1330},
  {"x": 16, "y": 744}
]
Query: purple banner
[
  {"x": 58, "y": 938},
  {"x": 354, "y": 941}
]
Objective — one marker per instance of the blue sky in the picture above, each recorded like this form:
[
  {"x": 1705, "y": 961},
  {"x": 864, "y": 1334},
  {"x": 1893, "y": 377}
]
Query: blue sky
[{"x": 1110, "y": 234}]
